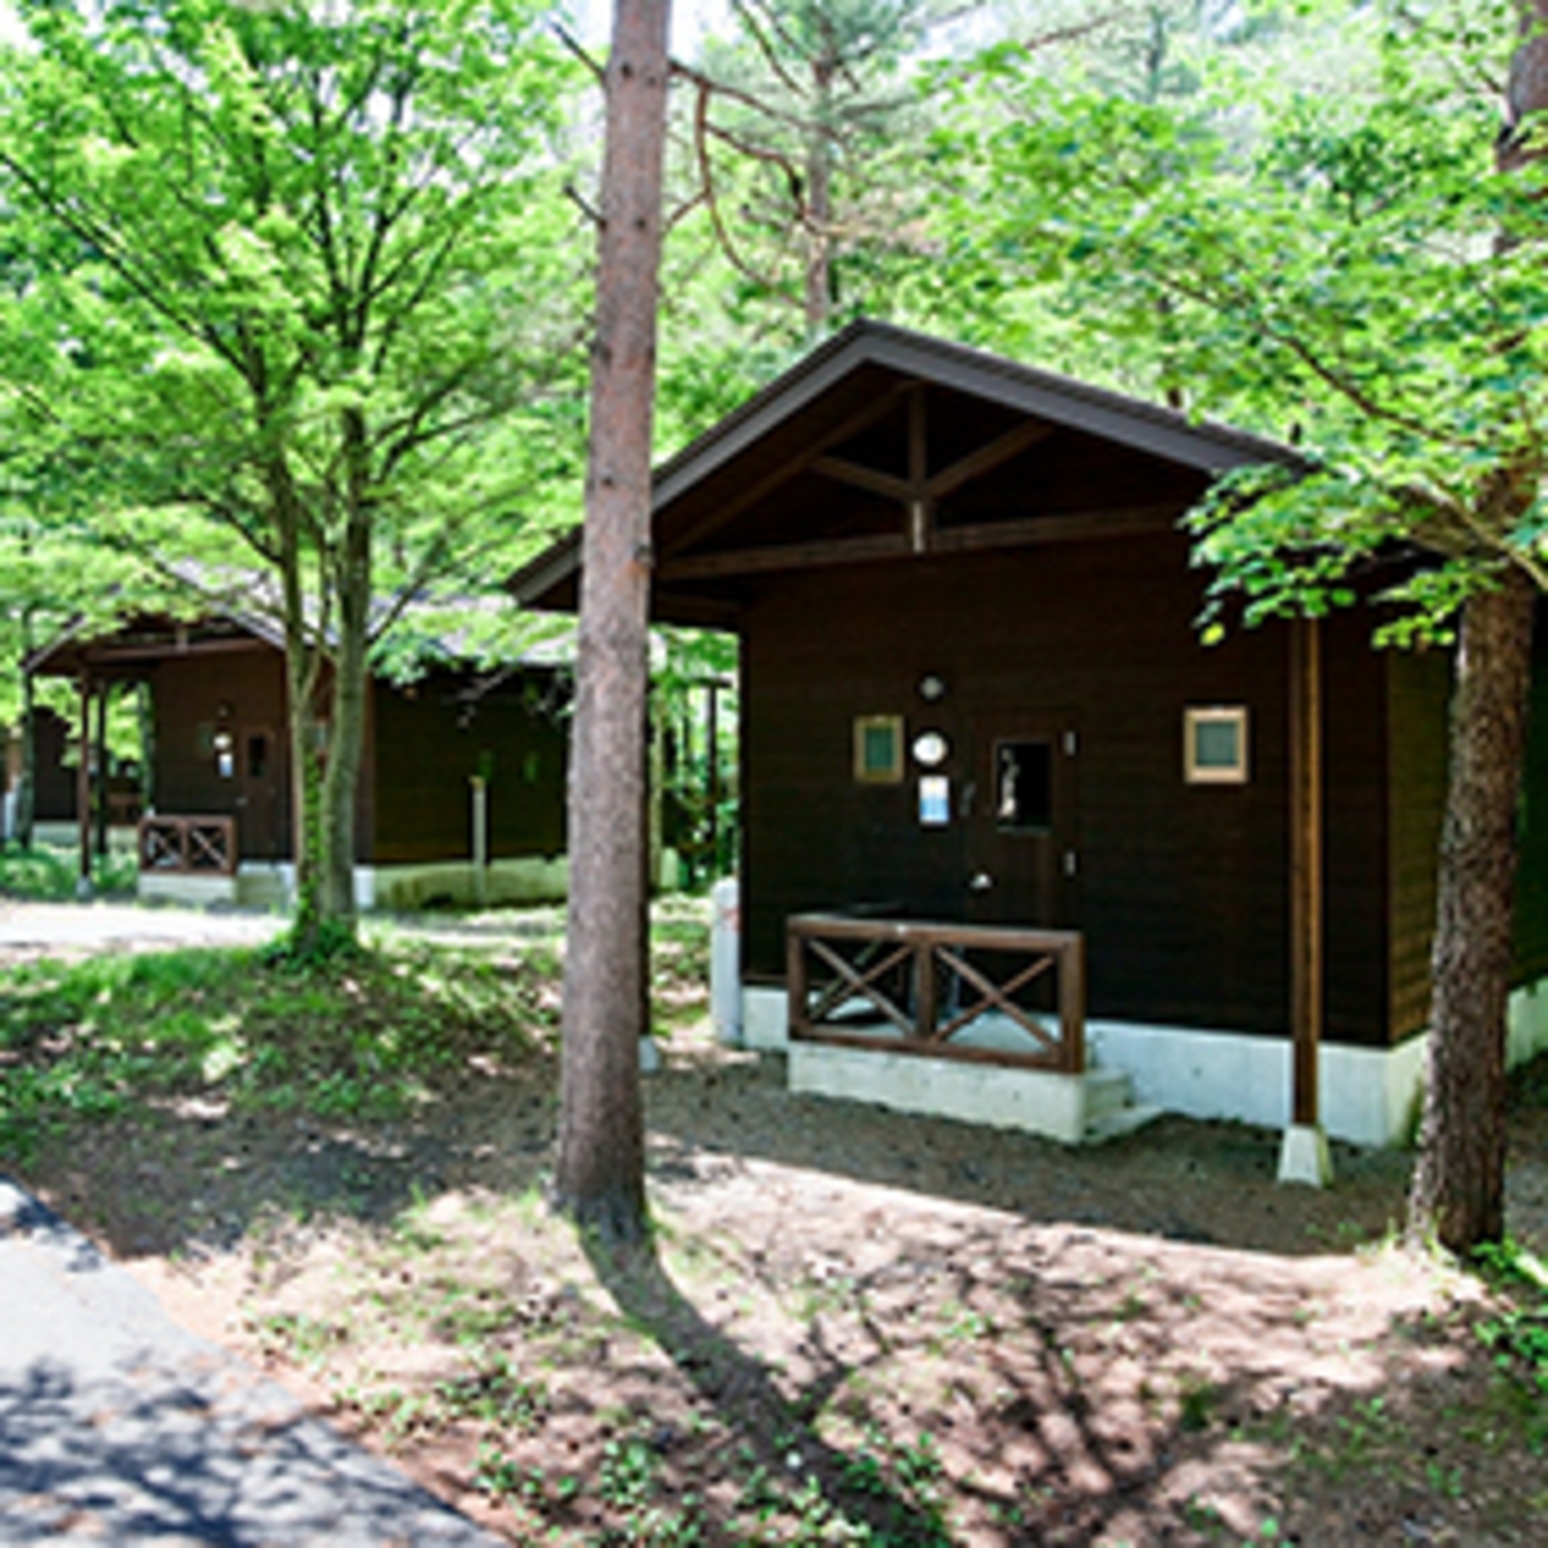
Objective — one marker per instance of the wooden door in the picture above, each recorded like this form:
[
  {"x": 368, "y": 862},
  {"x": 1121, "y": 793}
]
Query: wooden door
[
  {"x": 260, "y": 782},
  {"x": 1019, "y": 828}
]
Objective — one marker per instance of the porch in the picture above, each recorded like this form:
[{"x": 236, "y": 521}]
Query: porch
[
  {"x": 981, "y": 1023},
  {"x": 188, "y": 859}
]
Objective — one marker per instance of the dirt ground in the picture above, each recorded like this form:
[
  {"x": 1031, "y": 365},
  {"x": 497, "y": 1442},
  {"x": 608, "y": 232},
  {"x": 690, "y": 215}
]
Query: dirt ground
[{"x": 858, "y": 1327}]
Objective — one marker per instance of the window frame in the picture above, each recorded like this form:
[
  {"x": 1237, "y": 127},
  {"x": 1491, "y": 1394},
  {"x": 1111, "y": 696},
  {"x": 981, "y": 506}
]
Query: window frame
[
  {"x": 865, "y": 773},
  {"x": 1198, "y": 717}
]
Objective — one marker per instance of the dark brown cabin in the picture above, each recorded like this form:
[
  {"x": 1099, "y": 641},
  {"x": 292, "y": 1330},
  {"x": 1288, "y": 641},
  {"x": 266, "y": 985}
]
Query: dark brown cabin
[
  {"x": 220, "y": 767},
  {"x": 53, "y": 780},
  {"x": 974, "y": 692}
]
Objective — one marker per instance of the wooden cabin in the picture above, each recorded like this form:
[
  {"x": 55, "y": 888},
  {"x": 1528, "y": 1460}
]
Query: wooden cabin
[
  {"x": 1017, "y": 845},
  {"x": 219, "y": 825}
]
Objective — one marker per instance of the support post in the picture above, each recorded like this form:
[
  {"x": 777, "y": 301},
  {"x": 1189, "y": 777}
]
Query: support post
[
  {"x": 712, "y": 761},
  {"x": 99, "y": 784},
  {"x": 1303, "y": 1155},
  {"x": 83, "y": 792},
  {"x": 479, "y": 790}
]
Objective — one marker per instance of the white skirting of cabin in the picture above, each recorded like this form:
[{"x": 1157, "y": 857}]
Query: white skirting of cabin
[
  {"x": 266, "y": 884},
  {"x": 198, "y": 889},
  {"x": 1369, "y": 1096},
  {"x": 525, "y": 879},
  {"x": 66, "y": 834},
  {"x": 1035, "y": 1100}
]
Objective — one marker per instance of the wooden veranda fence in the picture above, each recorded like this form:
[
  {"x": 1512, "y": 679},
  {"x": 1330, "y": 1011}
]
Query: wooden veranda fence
[
  {"x": 197, "y": 846},
  {"x": 921, "y": 984}
]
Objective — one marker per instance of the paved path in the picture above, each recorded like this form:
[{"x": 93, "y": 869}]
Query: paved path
[
  {"x": 78, "y": 929},
  {"x": 119, "y": 1427}
]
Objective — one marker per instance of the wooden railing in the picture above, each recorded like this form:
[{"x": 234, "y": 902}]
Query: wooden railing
[
  {"x": 193, "y": 846},
  {"x": 921, "y": 985}
]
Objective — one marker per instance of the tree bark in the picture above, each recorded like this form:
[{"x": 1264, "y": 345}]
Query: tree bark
[
  {"x": 818, "y": 279},
  {"x": 302, "y": 662},
  {"x": 348, "y": 689},
  {"x": 599, "y": 1176},
  {"x": 1457, "y": 1197},
  {"x": 1458, "y": 1194}
]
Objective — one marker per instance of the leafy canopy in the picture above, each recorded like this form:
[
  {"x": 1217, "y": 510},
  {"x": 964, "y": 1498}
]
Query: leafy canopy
[
  {"x": 300, "y": 252},
  {"x": 1348, "y": 269}
]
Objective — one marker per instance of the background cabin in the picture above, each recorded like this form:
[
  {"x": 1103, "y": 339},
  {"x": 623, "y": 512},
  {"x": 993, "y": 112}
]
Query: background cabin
[
  {"x": 218, "y": 823},
  {"x": 974, "y": 694},
  {"x": 55, "y": 780}
]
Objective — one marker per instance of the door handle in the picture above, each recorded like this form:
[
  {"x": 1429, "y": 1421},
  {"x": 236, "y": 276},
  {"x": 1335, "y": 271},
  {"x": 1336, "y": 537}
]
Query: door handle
[{"x": 982, "y": 881}]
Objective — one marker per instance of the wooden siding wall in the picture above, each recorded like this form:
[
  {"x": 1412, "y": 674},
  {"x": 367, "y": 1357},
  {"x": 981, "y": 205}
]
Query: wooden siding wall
[
  {"x": 1356, "y": 869},
  {"x": 188, "y": 695},
  {"x": 53, "y": 785},
  {"x": 1181, "y": 890},
  {"x": 1418, "y": 691},
  {"x": 427, "y": 748}
]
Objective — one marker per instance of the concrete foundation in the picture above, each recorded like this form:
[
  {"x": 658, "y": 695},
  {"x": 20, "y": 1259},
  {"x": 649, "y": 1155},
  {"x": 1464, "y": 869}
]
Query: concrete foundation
[
  {"x": 1304, "y": 1156},
  {"x": 260, "y": 884},
  {"x": 527, "y": 879},
  {"x": 1369, "y": 1096},
  {"x": 1033, "y": 1100}
]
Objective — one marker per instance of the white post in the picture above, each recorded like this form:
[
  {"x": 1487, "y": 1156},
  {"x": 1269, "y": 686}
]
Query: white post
[
  {"x": 726, "y": 961},
  {"x": 480, "y": 791}
]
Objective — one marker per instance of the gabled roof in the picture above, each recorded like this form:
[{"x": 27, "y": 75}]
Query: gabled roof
[
  {"x": 134, "y": 645},
  {"x": 148, "y": 637},
  {"x": 736, "y": 488},
  {"x": 1202, "y": 444}
]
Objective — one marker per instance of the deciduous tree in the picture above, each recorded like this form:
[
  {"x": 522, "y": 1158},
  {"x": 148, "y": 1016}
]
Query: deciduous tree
[
  {"x": 1360, "y": 274},
  {"x": 318, "y": 311}
]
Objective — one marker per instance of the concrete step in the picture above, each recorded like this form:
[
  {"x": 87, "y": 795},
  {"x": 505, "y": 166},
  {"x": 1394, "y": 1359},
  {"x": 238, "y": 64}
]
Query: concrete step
[
  {"x": 1121, "y": 1121},
  {"x": 1106, "y": 1092}
]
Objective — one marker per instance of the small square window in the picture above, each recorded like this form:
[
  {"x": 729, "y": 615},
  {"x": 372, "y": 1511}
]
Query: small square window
[
  {"x": 879, "y": 749},
  {"x": 1215, "y": 746},
  {"x": 1023, "y": 786}
]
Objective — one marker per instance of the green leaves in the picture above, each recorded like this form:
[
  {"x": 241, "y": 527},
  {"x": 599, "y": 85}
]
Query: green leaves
[
  {"x": 257, "y": 221},
  {"x": 1345, "y": 269}
]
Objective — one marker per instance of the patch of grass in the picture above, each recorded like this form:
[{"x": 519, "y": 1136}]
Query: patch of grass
[
  {"x": 494, "y": 1392},
  {"x": 1518, "y": 1334},
  {"x": 502, "y": 1476},
  {"x": 679, "y": 962},
  {"x": 364, "y": 1038},
  {"x": 1529, "y": 1084},
  {"x": 49, "y": 874},
  {"x": 1197, "y": 1397},
  {"x": 299, "y": 1337}
]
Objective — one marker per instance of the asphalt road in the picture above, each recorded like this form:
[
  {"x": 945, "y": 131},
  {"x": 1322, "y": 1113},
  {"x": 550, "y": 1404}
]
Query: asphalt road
[{"x": 118, "y": 1426}]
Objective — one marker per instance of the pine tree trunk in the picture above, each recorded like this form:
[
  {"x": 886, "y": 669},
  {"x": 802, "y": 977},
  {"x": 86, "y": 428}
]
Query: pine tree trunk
[
  {"x": 599, "y": 1175},
  {"x": 818, "y": 280},
  {"x": 1458, "y": 1189}
]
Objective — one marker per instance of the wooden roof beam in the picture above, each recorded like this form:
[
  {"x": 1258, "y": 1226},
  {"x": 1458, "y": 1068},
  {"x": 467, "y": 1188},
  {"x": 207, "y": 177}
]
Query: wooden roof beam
[
  {"x": 988, "y": 457},
  {"x": 878, "y": 408},
  {"x": 786, "y": 556},
  {"x": 871, "y": 479},
  {"x": 1022, "y": 532}
]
